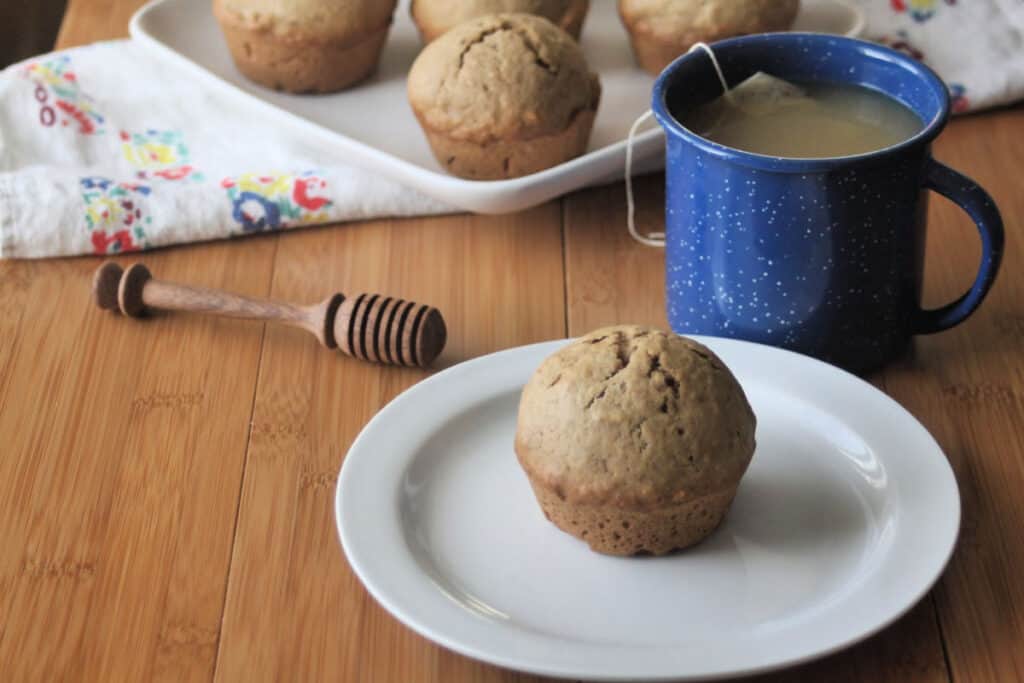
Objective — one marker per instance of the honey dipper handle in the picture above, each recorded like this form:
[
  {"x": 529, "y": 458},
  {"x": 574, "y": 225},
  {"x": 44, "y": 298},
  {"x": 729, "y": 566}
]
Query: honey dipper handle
[
  {"x": 134, "y": 290},
  {"x": 316, "y": 319},
  {"x": 175, "y": 297},
  {"x": 371, "y": 327}
]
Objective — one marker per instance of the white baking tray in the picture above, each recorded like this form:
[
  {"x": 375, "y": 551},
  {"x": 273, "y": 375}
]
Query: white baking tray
[{"x": 372, "y": 125}]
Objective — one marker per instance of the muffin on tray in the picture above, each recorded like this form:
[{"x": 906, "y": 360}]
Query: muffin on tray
[
  {"x": 305, "y": 45},
  {"x": 504, "y": 95},
  {"x": 434, "y": 17},
  {"x": 634, "y": 440},
  {"x": 661, "y": 30}
]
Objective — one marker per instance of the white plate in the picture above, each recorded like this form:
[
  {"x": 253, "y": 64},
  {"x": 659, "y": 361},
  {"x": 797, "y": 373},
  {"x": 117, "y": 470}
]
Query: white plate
[
  {"x": 373, "y": 126},
  {"x": 846, "y": 517}
]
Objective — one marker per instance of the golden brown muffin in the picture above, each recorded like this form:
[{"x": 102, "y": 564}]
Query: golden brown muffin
[
  {"x": 305, "y": 45},
  {"x": 661, "y": 30},
  {"x": 504, "y": 96},
  {"x": 634, "y": 440},
  {"x": 434, "y": 17}
]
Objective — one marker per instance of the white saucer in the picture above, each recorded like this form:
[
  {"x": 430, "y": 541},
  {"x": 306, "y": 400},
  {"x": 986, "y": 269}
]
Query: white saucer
[{"x": 846, "y": 517}]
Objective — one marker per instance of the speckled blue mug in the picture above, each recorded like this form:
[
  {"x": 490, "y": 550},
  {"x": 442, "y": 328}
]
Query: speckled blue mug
[{"x": 822, "y": 256}]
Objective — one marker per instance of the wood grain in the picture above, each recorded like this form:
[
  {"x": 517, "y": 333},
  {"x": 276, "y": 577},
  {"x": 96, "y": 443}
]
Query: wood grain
[
  {"x": 86, "y": 21},
  {"x": 294, "y": 608},
  {"x": 122, "y": 457},
  {"x": 967, "y": 387},
  {"x": 612, "y": 279},
  {"x": 122, "y": 460},
  {"x": 166, "y": 488}
]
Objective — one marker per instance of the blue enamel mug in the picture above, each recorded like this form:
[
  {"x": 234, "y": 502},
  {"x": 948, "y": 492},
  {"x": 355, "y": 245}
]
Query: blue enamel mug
[{"x": 821, "y": 256}]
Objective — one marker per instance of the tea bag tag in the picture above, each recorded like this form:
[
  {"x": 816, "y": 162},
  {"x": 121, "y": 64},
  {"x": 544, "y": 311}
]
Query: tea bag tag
[{"x": 657, "y": 239}]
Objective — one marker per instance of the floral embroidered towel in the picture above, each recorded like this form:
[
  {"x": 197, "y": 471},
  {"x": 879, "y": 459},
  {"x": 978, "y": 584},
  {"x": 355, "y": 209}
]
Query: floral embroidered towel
[
  {"x": 977, "y": 46},
  {"x": 105, "y": 149}
]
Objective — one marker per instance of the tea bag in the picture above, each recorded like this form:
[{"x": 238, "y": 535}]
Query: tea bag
[
  {"x": 763, "y": 94},
  {"x": 760, "y": 95}
]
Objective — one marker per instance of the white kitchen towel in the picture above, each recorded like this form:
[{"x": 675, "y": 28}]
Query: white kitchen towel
[
  {"x": 106, "y": 149},
  {"x": 977, "y": 46}
]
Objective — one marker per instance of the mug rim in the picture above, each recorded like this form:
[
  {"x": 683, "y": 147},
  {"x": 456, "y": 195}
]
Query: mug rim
[{"x": 928, "y": 132}]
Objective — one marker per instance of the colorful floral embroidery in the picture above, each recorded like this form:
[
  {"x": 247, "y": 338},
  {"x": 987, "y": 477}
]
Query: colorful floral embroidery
[
  {"x": 60, "y": 98},
  {"x": 919, "y": 10},
  {"x": 114, "y": 243},
  {"x": 153, "y": 148},
  {"x": 113, "y": 214},
  {"x": 958, "y": 94},
  {"x": 160, "y": 154},
  {"x": 176, "y": 173},
  {"x": 959, "y": 101},
  {"x": 268, "y": 202}
]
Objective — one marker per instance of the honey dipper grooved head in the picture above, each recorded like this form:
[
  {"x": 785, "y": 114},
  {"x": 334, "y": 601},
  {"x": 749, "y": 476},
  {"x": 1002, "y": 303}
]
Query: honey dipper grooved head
[
  {"x": 431, "y": 338},
  {"x": 388, "y": 330}
]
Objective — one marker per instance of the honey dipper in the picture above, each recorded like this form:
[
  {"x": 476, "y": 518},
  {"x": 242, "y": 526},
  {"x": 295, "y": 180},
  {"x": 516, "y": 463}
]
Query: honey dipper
[{"x": 370, "y": 327}]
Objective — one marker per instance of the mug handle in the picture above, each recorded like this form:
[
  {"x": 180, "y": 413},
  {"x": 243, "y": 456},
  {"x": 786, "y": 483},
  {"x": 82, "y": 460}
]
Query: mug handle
[{"x": 977, "y": 203}]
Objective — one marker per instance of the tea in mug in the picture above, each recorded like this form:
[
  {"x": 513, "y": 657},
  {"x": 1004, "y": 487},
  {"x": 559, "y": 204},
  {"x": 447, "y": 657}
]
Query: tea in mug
[{"x": 765, "y": 115}]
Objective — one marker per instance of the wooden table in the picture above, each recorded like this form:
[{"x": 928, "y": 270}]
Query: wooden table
[{"x": 166, "y": 487}]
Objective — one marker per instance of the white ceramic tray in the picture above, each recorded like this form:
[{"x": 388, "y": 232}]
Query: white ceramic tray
[
  {"x": 372, "y": 125},
  {"x": 846, "y": 517}
]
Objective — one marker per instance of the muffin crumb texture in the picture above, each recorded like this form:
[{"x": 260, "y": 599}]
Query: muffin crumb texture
[
  {"x": 434, "y": 17},
  {"x": 305, "y": 46},
  {"x": 624, "y": 532},
  {"x": 634, "y": 439},
  {"x": 503, "y": 96},
  {"x": 661, "y": 30}
]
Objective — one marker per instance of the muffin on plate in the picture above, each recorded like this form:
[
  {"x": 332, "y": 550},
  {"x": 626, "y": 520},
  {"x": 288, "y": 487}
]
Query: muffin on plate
[
  {"x": 504, "y": 95},
  {"x": 634, "y": 440},
  {"x": 434, "y": 17},
  {"x": 661, "y": 30},
  {"x": 305, "y": 45}
]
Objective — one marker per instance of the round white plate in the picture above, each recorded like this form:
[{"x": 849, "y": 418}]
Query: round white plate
[{"x": 846, "y": 517}]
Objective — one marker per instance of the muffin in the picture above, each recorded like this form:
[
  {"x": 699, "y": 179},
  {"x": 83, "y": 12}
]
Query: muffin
[
  {"x": 634, "y": 440},
  {"x": 305, "y": 45},
  {"x": 661, "y": 30},
  {"x": 434, "y": 17},
  {"x": 504, "y": 95}
]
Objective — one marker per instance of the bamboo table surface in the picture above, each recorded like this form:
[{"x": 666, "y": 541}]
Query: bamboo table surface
[{"x": 166, "y": 488}]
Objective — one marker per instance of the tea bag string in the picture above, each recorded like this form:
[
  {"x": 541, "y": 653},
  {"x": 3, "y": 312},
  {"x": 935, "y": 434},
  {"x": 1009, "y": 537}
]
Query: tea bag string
[
  {"x": 657, "y": 239},
  {"x": 653, "y": 239}
]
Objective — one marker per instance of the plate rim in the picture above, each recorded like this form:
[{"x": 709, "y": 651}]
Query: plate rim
[{"x": 906, "y": 602}]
